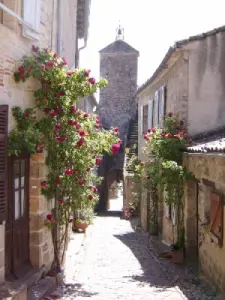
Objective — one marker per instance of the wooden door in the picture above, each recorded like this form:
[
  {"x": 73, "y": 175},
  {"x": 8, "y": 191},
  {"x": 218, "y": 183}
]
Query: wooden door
[{"x": 17, "y": 225}]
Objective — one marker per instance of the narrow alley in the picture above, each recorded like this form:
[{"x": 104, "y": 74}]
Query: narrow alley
[{"x": 117, "y": 262}]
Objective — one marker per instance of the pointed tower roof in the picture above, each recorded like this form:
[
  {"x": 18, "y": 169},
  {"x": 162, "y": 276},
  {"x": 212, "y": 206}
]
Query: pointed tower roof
[{"x": 119, "y": 45}]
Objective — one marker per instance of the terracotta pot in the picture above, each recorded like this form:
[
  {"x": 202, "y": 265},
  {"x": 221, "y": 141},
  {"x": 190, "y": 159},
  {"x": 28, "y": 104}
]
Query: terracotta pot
[
  {"x": 37, "y": 157},
  {"x": 177, "y": 256},
  {"x": 81, "y": 226}
]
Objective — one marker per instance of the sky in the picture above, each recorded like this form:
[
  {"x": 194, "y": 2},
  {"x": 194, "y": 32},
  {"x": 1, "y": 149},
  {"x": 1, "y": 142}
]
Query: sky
[{"x": 150, "y": 26}]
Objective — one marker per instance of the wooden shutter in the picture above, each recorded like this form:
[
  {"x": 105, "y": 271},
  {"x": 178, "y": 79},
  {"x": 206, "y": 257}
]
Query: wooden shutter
[
  {"x": 156, "y": 110},
  {"x": 141, "y": 119},
  {"x": 145, "y": 119},
  {"x": 161, "y": 107},
  {"x": 216, "y": 217},
  {"x": 31, "y": 15},
  {"x": 3, "y": 160},
  {"x": 150, "y": 114}
]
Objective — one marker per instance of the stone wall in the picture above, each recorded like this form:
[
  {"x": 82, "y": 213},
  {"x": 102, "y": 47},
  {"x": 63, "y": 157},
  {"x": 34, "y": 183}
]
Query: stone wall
[
  {"x": 13, "y": 47},
  {"x": 175, "y": 77},
  {"x": 206, "y": 168},
  {"x": 206, "y": 83}
]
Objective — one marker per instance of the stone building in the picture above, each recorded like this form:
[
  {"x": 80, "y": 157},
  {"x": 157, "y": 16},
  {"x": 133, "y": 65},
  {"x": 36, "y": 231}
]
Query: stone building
[
  {"x": 117, "y": 107},
  {"x": 190, "y": 83},
  {"x": 204, "y": 210},
  {"x": 25, "y": 243}
]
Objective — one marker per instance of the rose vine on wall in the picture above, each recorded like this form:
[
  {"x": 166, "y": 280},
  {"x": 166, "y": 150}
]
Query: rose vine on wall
[
  {"x": 163, "y": 173},
  {"x": 73, "y": 140}
]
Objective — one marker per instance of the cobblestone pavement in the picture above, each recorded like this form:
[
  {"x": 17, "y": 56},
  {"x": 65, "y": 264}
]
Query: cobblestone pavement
[{"x": 116, "y": 263}]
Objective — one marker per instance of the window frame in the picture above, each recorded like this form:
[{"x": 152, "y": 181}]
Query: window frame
[{"x": 31, "y": 30}]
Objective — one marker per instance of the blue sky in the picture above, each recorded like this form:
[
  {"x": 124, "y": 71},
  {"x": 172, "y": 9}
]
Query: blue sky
[{"x": 149, "y": 26}]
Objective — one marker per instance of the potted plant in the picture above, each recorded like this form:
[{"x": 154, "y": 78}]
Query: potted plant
[{"x": 80, "y": 225}]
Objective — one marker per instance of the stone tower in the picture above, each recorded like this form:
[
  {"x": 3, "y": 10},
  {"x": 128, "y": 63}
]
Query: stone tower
[{"x": 117, "y": 107}]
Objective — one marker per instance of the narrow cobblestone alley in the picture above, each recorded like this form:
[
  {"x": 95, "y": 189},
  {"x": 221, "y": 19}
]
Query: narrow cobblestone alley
[{"x": 115, "y": 262}]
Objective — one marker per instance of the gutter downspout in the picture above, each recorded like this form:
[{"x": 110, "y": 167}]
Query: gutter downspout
[
  {"x": 59, "y": 31},
  {"x": 86, "y": 24}
]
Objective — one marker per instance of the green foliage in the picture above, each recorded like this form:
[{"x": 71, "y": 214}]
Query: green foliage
[
  {"x": 163, "y": 172},
  {"x": 74, "y": 140},
  {"x": 25, "y": 138}
]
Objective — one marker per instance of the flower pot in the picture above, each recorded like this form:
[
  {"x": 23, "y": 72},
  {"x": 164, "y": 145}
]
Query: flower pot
[
  {"x": 81, "y": 226},
  {"x": 177, "y": 256},
  {"x": 37, "y": 157}
]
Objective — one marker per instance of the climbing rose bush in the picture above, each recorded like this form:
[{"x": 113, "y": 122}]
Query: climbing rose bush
[{"x": 74, "y": 140}]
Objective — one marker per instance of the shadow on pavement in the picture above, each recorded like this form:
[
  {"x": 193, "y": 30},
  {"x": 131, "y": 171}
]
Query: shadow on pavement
[{"x": 160, "y": 273}]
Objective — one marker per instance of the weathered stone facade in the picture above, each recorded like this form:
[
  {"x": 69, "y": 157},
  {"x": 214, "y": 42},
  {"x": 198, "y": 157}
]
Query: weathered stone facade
[
  {"x": 209, "y": 170},
  {"x": 118, "y": 64},
  {"x": 13, "y": 47}
]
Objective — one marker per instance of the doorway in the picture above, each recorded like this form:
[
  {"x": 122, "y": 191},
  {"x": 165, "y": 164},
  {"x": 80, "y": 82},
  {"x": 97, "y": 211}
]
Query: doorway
[{"x": 17, "y": 222}]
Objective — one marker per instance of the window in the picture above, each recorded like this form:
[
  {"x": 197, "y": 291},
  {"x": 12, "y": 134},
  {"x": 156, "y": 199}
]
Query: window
[
  {"x": 156, "y": 110},
  {"x": 216, "y": 217},
  {"x": 19, "y": 188},
  {"x": 150, "y": 114},
  {"x": 145, "y": 119},
  {"x": 31, "y": 15},
  {"x": 162, "y": 105}
]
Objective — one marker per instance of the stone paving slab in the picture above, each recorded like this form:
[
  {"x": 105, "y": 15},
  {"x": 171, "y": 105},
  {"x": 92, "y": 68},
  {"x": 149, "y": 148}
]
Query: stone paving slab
[{"x": 116, "y": 263}]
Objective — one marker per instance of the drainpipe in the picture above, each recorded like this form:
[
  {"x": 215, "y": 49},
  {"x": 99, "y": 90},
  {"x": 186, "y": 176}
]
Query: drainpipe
[
  {"x": 86, "y": 25},
  {"x": 59, "y": 31}
]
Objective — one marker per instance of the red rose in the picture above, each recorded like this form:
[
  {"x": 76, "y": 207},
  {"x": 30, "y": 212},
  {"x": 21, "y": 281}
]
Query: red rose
[
  {"x": 46, "y": 110},
  {"x": 57, "y": 181},
  {"x": 142, "y": 163},
  {"x": 61, "y": 201},
  {"x": 56, "y": 55},
  {"x": 50, "y": 218},
  {"x": 35, "y": 49},
  {"x": 146, "y": 137},
  {"x": 73, "y": 109},
  {"x": 21, "y": 70},
  {"x": 44, "y": 184},
  {"x": 50, "y": 64},
  {"x": 69, "y": 73},
  {"x": 86, "y": 115},
  {"x": 169, "y": 134},
  {"x": 64, "y": 61},
  {"x": 153, "y": 130},
  {"x": 69, "y": 172},
  {"x": 94, "y": 189},
  {"x": 115, "y": 148},
  {"x": 90, "y": 197},
  {"x": 80, "y": 142},
  {"x": 77, "y": 125},
  {"x": 82, "y": 133},
  {"x": 170, "y": 114},
  {"x": 58, "y": 125},
  {"x": 25, "y": 115},
  {"x": 70, "y": 122},
  {"x": 43, "y": 67},
  {"x": 98, "y": 161},
  {"x": 61, "y": 139},
  {"x": 87, "y": 72},
  {"x": 149, "y": 130},
  {"x": 91, "y": 80},
  {"x": 181, "y": 122},
  {"x": 81, "y": 181}
]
